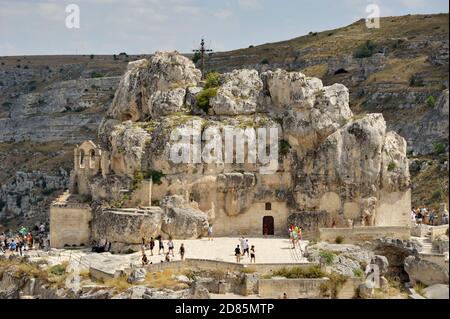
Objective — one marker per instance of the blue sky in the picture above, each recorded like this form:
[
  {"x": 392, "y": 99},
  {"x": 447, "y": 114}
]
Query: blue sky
[{"x": 144, "y": 26}]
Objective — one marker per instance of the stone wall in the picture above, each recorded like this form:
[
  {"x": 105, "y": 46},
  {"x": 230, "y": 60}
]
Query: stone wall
[
  {"x": 294, "y": 288},
  {"x": 394, "y": 209},
  {"x": 438, "y": 231},
  {"x": 198, "y": 265},
  {"x": 204, "y": 264},
  {"x": 361, "y": 234},
  {"x": 70, "y": 225},
  {"x": 251, "y": 222}
]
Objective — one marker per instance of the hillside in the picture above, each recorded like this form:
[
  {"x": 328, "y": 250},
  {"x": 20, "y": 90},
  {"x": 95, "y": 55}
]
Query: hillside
[{"x": 50, "y": 103}]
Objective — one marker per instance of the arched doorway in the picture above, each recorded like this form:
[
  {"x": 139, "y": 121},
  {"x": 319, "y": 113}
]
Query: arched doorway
[{"x": 268, "y": 226}]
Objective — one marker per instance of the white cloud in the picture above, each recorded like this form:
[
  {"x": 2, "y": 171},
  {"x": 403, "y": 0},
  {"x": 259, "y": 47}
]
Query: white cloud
[
  {"x": 250, "y": 4},
  {"x": 222, "y": 14}
]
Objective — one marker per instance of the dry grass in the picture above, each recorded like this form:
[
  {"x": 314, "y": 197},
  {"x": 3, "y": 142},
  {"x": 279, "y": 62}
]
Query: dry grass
[
  {"x": 426, "y": 183},
  {"x": 120, "y": 284},
  {"x": 164, "y": 280},
  {"x": 248, "y": 270}
]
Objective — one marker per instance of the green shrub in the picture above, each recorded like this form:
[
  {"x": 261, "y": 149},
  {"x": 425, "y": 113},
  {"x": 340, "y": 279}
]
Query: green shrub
[
  {"x": 129, "y": 251},
  {"x": 212, "y": 80},
  {"x": 96, "y": 75},
  {"x": 415, "y": 81},
  {"x": 156, "y": 176},
  {"x": 365, "y": 51},
  {"x": 332, "y": 287},
  {"x": 339, "y": 240},
  {"x": 358, "y": 273},
  {"x": 265, "y": 61},
  {"x": 7, "y": 104},
  {"x": 327, "y": 256},
  {"x": 196, "y": 57},
  {"x": 438, "y": 194},
  {"x": 204, "y": 97},
  {"x": 297, "y": 272},
  {"x": 58, "y": 270},
  {"x": 438, "y": 148},
  {"x": 49, "y": 191},
  {"x": 431, "y": 101},
  {"x": 392, "y": 166},
  {"x": 140, "y": 176},
  {"x": 284, "y": 147}
]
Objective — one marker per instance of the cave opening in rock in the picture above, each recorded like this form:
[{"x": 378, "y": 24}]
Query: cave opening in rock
[{"x": 341, "y": 71}]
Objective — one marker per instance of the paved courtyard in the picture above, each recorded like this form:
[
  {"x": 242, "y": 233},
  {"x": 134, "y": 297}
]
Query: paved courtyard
[{"x": 268, "y": 250}]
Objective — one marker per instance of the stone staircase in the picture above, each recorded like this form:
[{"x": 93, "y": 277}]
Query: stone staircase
[{"x": 427, "y": 245}]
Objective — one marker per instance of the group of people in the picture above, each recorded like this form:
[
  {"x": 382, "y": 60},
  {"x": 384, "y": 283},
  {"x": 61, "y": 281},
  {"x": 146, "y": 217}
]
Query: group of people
[
  {"x": 102, "y": 247},
  {"x": 170, "y": 253},
  {"x": 431, "y": 217},
  {"x": 295, "y": 235},
  {"x": 23, "y": 240},
  {"x": 244, "y": 249}
]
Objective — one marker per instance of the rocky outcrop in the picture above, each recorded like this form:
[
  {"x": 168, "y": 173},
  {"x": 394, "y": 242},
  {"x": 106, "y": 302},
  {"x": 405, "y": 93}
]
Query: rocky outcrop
[
  {"x": 348, "y": 260},
  {"x": 155, "y": 87},
  {"x": 182, "y": 220},
  {"x": 432, "y": 129},
  {"x": 126, "y": 227},
  {"x": 328, "y": 161},
  {"x": 61, "y": 112},
  {"x": 239, "y": 93},
  {"x": 424, "y": 271},
  {"x": 309, "y": 111},
  {"x": 29, "y": 194},
  {"x": 438, "y": 291}
]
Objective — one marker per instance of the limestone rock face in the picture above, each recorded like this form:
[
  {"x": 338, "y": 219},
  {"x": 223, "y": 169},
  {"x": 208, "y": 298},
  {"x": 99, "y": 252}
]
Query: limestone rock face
[
  {"x": 340, "y": 168},
  {"x": 239, "y": 94},
  {"x": 433, "y": 126},
  {"x": 310, "y": 112},
  {"x": 147, "y": 83},
  {"x": 167, "y": 102},
  {"x": 122, "y": 226},
  {"x": 355, "y": 161},
  {"x": 182, "y": 220},
  {"x": 127, "y": 145},
  {"x": 426, "y": 272},
  {"x": 438, "y": 291}
]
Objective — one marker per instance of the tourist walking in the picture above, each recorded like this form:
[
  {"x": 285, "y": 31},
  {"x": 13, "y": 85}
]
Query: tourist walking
[
  {"x": 12, "y": 245},
  {"x": 210, "y": 232},
  {"x": 252, "y": 254},
  {"x": 242, "y": 242},
  {"x": 161, "y": 245},
  {"x": 419, "y": 218},
  {"x": 182, "y": 251},
  {"x": 413, "y": 216},
  {"x": 246, "y": 248},
  {"x": 445, "y": 216},
  {"x": 143, "y": 245},
  {"x": 237, "y": 253},
  {"x": 152, "y": 245},
  {"x": 171, "y": 247},
  {"x": 431, "y": 217}
]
